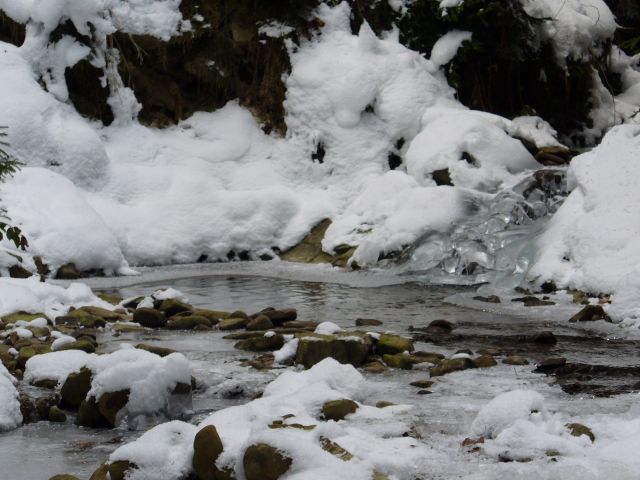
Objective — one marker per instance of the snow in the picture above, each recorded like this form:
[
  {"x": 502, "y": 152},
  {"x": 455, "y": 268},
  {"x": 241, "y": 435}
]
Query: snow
[
  {"x": 591, "y": 242},
  {"x": 149, "y": 378},
  {"x": 446, "y": 48},
  {"x": 327, "y": 328},
  {"x": 33, "y": 296},
  {"x": 10, "y": 416}
]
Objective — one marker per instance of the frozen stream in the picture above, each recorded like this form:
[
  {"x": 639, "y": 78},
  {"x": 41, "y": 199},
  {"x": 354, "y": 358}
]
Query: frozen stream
[{"x": 38, "y": 451}]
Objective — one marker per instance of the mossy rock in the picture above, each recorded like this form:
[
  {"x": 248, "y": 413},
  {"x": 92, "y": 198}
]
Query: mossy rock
[
  {"x": 485, "y": 361},
  {"x": 577, "y": 429},
  {"x": 118, "y": 470},
  {"x": 214, "y": 316},
  {"x": 392, "y": 344},
  {"x": 48, "y": 383},
  {"x": 149, "y": 317},
  {"x": 126, "y": 328},
  {"x": 75, "y": 388},
  {"x": 261, "y": 322},
  {"x": 232, "y": 323},
  {"x": 171, "y": 307},
  {"x": 68, "y": 271},
  {"x": 264, "y": 462},
  {"x": 100, "y": 473},
  {"x": 279, "y": 317},
  {"x": 39, "y": 332},
  {"x": 515, "y": 360},
  {"x": 92, "y": 322},
  {"x": 188, "y": 322},
  {"x": 81, "y": 344},
  {"x": 112, "y": 299},
  {"x": 309, "y": 250},
  {"x": 22, "y": 315},
  {"x": 398, "y": 360},
  {"x": 64, "y": 477},
  {"x": 56, "y": 415},
  {"x": 160, "y": 351},
  {"x": 207, "y": 447},
  {"x": 430, "y": 357},
  {"x": 351, "y": 347},
  {"x": 107, "y": 315},
  {"x": 338, "y": 409},
  {"x": 452, "y": 365},
  {"x": 261, "y": 343},
  {"x": 89, "y": 415},
  {"x": 590, "y": 313},
  {"x": 31, "y": 351},
  {"x": 111, "y": 403}
]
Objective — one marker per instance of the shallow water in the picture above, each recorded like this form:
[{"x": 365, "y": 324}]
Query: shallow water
[{"x": 41, "y": 450}]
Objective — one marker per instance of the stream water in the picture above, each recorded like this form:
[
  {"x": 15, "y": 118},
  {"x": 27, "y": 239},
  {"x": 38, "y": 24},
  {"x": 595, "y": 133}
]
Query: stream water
[{"x": 38, "y": 451}]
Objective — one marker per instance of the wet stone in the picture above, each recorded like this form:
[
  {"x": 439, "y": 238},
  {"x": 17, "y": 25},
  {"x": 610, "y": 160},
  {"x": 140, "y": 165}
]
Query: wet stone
[
  {"x": 338, "y": 409},
  {"x": 590, "y": 313}
]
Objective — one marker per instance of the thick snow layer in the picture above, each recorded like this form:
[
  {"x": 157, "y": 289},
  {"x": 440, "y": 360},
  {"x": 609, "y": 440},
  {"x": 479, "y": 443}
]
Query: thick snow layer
[
  {"x": 33, "y": 296},
  {"x": 446, "y": 48},
  {"x": 149, "y": 378},
  {"x": 591, "y": 243},
  {"x": 10, "y": 416},
  {"x": 575, "y": 27},
  {"x": 168, "y": 448}
]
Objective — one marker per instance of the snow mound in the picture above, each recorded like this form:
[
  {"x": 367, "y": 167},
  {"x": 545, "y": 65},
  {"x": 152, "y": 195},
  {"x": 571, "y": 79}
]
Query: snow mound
[
  {"x": 591, "y": 241},
  {"x": 10, "y": 416},
  {"x": 60, "y": 223},
  {"x": 295, "y": 398}
]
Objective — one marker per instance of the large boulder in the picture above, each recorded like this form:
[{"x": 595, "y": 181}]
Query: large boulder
[
  {"x": 264, "y": 462},
  {"x": 111, "y": 403},
  {"x": 75, "y": 388},
  {"x": 345, "y": 347}
]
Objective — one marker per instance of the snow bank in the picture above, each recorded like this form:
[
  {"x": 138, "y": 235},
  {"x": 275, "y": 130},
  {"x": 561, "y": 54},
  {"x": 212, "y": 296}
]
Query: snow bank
[
  {"x": 591, "y": 242},
  {"x": 295, "y": 398},
  {"x": 31, "y": 295},
  {"x": 10, "y": 416}
]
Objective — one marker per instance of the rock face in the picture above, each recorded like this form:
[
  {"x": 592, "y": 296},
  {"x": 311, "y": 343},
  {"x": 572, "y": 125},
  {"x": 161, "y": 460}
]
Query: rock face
[
  {"x": 148, "y": 317},
  {"x": 351, "y": 347},
  {"x": 263, "y": 462},
  {"x": 338, "y": 409},
  {"x": 207, "y": 447}
]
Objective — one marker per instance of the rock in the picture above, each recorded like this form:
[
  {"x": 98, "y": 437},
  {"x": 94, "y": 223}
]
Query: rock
[
  {"x": 309, "y": 250},
  {"x": 384, "y": 404},
  {"x": 68, "y": 272},
  {"x": 261, "y": 343},
  {"x": 422, "y": 383},
  {"x": 300, "y": 325},
  {"x": 111, "y": 403},
  {"x": 160, "y": 351},
  {"x": 393, "y": 344},
  {"x": 531, "y": 301},
  {"x": 488, "y": 299},
  {"x": 112, "y": 299},
  {"x": 213, "y": 316},
  {"x": 375, "y": 367},
  {"x": 261, "y": 322},
  {"x": 84, "y": 345},
  {"x": 452, "y": 365},
  {"x": 544, "y": 338},
  {"x": 264, "y": 462},
  {"x": 56, "y": 415},
  {"x": 101, "y": 473},
  {"x": 367, "y": 322},
  {"x": 31, "y": 351},
  {"x": 515, "y": 360},
  {"x": 442, "y": 177},
  {"x": 550, "y": 364},
  {"x": 338, "y": 409},
  {"x": 431, "y": 357},
  {"x": 207, "y": 447},
  {"x": 261, "y": 362},
  {"x": 232, "y": 323},
  {"x": 171, "y": 307},
  {"x": 548, "y": 287},
  {"x": 118, "y": 470},
  {"x": 132, "y": 303},
  {"x": 44, "y": 404},
  {"x": 398, "y": 360},
  {"x": 27, "y": 409},
  {"x": 149, "y": 317},
  {"x": 107, "y": 315},
  {"x": 188, "y": 322},
  {"x": 494, "y": 352},
  {"x": 126, "y": 328},
  {"x": 334, "y": 449},
  {"x": 18, "y": 271},
  {"x": 424, "y": 392},
  {"x": 350, "y": 347},
  {"x": 48, "y": 383},
  {"x": 485, "y": 361},
  {"x": 590, "y": 313},
  {"x": 89, "y": 415},
  {"x": 553, "y": 156},
  {"x": 577, "y": 429},
  {"x": 239, "y": 314},
  {"x": 64, "y": 477},
  {"x": 75, "y": 388},
  {"x": 278, "y": 317},
  {"x": 22, "y": 315},
  {"x": 441, "y": 325}
]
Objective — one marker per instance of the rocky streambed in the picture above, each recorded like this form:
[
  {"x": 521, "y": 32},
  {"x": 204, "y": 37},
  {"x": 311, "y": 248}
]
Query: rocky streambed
[{"x": 412, "y": 346}]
